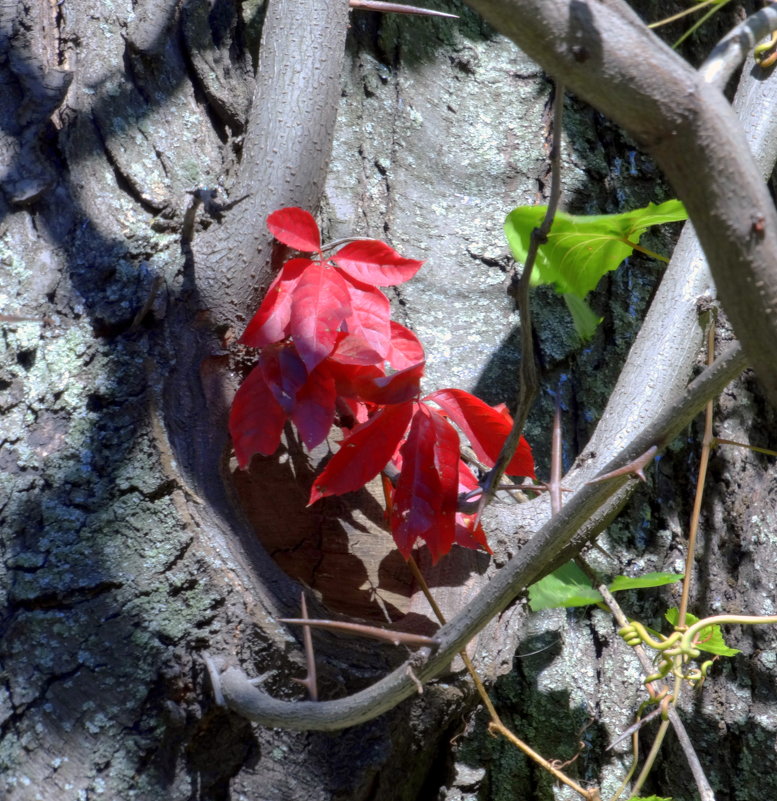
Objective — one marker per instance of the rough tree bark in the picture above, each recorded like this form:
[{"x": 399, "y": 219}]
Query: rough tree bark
[{"x": 125, "y": 553}]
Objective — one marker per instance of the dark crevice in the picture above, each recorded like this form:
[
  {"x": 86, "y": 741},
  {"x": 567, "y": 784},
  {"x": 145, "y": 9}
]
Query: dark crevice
[
  {"x": 26, "y": 358},
  {"x": 62, "y": 601}
]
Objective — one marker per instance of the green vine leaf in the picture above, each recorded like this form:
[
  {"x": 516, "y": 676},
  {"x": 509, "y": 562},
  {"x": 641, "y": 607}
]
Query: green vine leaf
[
  {"x": 648, "y": 798},
  {"x": 710, "y": 638},
  {"x": 584, "y": 317},
  {"x": 569, "y": 586},
  {"x": 648, "y": 580},
  {"x": 582, "y": 248}
]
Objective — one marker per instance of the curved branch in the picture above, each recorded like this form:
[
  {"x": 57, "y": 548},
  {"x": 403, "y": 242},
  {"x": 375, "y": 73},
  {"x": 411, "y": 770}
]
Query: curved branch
[
  {"x": 604, "y": 53},
  {"x": 565, "y": 533},
  {"x": 736, "y": 45},
  {"x": 286, "y": 151},
  {"x": 664, "y": 352}
]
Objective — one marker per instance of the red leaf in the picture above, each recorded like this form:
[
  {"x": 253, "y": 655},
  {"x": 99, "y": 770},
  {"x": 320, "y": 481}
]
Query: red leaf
[
  {"x": 271, "y": 323},
  {"x": 357, "y": 377},
  {"x": 504, "y": 411},
  {"x": 360, "y": 412},
  {"x": 485, "y": 428},
  {"x": 374, "y": 262},
  {"x": 255, "y": 420},
  {"x": 295, "y": 228},
  {"x": 364, "y": 453},
  {"x": 399, "y": 387},
  {"x": 405, "y": 350},
  {"x": 284, "y": 373},
  {"x": 467, "y": 535},
  {"x": 314, "y": 412},
  {"x": 349, "y": 377},
  {"x": 446, "y": 462},
  {"x": 413, "y": 510},
  {"x": 424, "y": 503},
  {"x": 352, "y": 349},
  {"x": 319, "y": 305},
  {"x": 370, "y": 317}
]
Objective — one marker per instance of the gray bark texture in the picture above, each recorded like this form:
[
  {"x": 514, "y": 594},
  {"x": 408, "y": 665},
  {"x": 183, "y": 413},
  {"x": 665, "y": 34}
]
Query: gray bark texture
[{"x": 132, "y": 547}]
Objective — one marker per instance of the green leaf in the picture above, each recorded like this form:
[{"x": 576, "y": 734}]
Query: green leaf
[
  {"x": 567, "y": 586},
  {"x": 648, "y": 580},
  {"x": 581, "y": 249},
  {"x": 709, "y": 639},
  {"x": 648, "y": 798},
  {"x": 583, "y": 316}
]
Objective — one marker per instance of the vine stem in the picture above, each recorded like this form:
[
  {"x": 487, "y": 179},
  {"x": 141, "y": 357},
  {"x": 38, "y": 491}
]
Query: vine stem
[
  {"x": 656, "y": 747},
  {"x": 718, "y": 441},
  {"x": 689, "y": 559},
  {"x": 681, "y": 14},
  {"x": 529, "y": 382},
  {"x": 718, "y": 620},
  {"x": 706, "y": 447},
  {"x": 700, "y": 777},
  {"x": 495, "y": 725}
]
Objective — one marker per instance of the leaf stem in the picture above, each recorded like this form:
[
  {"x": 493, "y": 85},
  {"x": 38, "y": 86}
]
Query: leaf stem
[{"x": 646, "y": 251}]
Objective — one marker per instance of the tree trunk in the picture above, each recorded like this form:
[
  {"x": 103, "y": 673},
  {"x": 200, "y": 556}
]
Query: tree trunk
[{"x": 131, "y": 546}]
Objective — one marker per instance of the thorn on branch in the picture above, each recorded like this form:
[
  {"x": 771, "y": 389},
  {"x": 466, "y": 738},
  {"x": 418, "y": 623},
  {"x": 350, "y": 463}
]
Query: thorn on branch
[{"x": 634, "y": 468}]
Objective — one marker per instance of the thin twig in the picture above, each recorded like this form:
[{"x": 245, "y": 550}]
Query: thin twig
[
  {"x": 496, "y": 725},
  {"x": 421, "y": 581},
  {"x": 718, "y": 441},
  {"x": 653, "y": 753},
  {"x": 500, "y": 728},
  {"x": 699, "y": 776},
  {"x": 528, "y": 373},
  {"x": 398, "y": 8},
  {"x": 310, "y": 682},
  {"x": 693, "y": 528},
  {"x": 635, "y": 727},
  {"x": 395, "y": 637},
  {"x": 681, "y": 14},
  {"x": 636, "y": 467},
  {"x": 554, "y": 486}
]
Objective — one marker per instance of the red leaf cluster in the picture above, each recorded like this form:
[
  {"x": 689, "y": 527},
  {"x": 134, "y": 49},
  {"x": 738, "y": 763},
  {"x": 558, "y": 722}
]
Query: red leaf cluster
[
  {"x": 312, "y": 300},
  {"x": 432, "y": 474},
  {"x": 325, "y": 339}
]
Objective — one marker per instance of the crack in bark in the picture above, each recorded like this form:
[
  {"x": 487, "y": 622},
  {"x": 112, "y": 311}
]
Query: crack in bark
[{"x": 66, "y": 599}]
